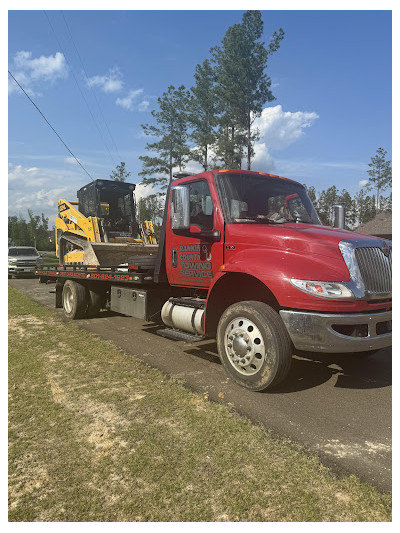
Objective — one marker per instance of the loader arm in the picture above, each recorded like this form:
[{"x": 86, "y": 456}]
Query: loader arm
[{"x": 71, "y": 220}]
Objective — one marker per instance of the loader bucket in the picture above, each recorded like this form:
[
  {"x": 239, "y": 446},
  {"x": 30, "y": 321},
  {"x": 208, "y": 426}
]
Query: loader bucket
[
  {"x": 104, "y": 253},
  {"x": 114, "y": 254}
]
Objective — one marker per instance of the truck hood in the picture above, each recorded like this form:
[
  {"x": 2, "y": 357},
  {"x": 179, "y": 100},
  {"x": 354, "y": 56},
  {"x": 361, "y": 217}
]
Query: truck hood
[{"x": 305, "y": 238}]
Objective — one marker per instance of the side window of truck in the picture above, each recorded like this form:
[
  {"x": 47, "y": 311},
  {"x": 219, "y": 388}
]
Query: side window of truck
[{"x": 201, "y": 205}]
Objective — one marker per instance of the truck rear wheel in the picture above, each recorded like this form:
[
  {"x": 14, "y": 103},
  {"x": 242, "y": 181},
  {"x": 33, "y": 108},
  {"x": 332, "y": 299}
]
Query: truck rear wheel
[
  {"x": 254, "y": 345},
  {"x": 74, "y": 299}
]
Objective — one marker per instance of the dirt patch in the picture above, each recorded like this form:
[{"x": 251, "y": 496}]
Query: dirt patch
[
  {"x": 27, "y": 479},
  {"x": 336, "y": 448}
]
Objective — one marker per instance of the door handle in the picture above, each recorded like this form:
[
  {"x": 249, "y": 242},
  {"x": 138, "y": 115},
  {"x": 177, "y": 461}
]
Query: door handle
[{"x": 174, "y": 258}]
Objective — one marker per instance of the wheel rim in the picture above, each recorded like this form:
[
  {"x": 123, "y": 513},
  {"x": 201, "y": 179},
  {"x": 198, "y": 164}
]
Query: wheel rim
[
  {"x": 244, "y": 346},
  {"x": 68, "y": 299}
]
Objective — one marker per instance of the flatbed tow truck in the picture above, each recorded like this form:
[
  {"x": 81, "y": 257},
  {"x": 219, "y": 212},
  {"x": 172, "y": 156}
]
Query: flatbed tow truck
[{"x": 243, "y": 258}]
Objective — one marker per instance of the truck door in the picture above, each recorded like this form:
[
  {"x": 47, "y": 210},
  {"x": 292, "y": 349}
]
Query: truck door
[{"x": 191, "y": 260}]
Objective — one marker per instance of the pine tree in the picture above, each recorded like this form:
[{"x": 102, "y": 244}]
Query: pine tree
[
  {"x": 380, "y": 175},
  {"x": 203, "y": 113},
  {"x": 327, "y": 199},
  {"x": 365, "y": 207},
  {"x": 172, "y": 129},
  {"x": 120, "y": 173},
  {"x": 243, "y": 85}
]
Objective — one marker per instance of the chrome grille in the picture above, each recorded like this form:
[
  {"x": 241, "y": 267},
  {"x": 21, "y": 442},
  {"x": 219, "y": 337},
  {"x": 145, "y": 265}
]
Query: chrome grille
[{"x": 375, "y": 268}]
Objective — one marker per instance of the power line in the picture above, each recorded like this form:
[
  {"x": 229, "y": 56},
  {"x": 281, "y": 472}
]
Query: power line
[
  {"x": 80, "y": 90},
  {"x": 87, "y": 81},
  {"x": 32, "y": 102}
]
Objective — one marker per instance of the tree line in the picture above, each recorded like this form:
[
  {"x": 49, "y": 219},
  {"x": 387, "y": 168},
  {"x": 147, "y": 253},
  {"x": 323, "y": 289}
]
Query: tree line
[
  {"x": 31, "y": 232},
  {"x": 362, "y": 207}
]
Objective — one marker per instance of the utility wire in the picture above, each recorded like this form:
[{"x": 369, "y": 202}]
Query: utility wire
[
  {"x": 87, "y": 81},
  {"x": 32, "y": 102},
  {"x": 80, "y": 90}
]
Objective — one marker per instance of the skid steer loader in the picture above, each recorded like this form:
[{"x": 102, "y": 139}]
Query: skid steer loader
[{"x": 101, "y": 227}]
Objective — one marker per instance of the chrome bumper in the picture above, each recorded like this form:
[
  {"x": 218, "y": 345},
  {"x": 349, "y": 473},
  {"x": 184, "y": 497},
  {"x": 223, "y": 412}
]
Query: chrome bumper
[
  {"x": 22, "y": 270},
  {"x": 314, "y": 332}
]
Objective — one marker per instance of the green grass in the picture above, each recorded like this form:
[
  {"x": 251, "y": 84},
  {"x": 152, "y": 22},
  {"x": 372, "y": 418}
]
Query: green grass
[
  {"x": 96, "y": 435},
  {"x": 50, "y": 257}
]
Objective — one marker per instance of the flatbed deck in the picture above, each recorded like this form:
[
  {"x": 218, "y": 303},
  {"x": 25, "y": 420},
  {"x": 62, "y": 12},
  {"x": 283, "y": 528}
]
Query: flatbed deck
[{"x": 121, "y": 274}]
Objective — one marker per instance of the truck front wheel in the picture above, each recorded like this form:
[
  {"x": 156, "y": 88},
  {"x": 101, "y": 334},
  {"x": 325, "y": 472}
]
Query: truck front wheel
[
  {"x": 254, "y": 346},
  {"x": 74, "y": 299}
]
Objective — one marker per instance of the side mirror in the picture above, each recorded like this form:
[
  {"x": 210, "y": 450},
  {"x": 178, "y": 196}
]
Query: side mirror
[{"x": 180, "y": 216}]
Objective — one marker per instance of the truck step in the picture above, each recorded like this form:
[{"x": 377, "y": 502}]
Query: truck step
[{"x": 178, "y": 335}]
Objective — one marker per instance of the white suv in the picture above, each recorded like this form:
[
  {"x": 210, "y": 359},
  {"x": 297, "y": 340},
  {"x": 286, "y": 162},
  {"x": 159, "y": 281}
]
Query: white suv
[{"x": 23, "y": 260}]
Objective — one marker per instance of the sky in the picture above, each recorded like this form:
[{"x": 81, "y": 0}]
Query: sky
[{"x": 96, "y": 76}]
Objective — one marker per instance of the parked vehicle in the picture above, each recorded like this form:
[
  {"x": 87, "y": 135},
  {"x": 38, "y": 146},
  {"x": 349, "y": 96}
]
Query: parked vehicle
[
  {"x": 23, "y": 260},
  {"x": 243, "y": 258}
]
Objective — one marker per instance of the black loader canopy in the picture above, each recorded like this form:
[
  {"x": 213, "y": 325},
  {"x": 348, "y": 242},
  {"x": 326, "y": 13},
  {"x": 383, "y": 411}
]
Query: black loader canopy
[{"x": 107, "y": 198}]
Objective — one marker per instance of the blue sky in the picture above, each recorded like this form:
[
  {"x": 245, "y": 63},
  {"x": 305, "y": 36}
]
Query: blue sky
[{"x": 331, "y": 78}]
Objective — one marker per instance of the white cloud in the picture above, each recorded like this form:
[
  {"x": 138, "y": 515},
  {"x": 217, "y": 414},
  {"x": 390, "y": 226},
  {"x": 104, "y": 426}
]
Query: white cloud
[
  {"x": 362, "y": 183},
  {"x": 39, "y": 189},
  {"x": 279, "y": 129},
  {"x": 109, "y": 83},
  {"x": 128, "y": 101},
  {"x": 141, "y": 191},
  {"x": 262, "y": 160},
  {"x": 73, "y": 161},
  {"x": 144, "y": 105},
  {"x": 30, "y": 72}
]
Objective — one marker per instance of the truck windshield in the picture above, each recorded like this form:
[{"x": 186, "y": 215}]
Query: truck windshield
[
  {"x": 22, "y": 252},
  {"x": 254, "y": 199}
]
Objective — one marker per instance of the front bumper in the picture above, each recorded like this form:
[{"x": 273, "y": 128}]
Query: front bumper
[
  {"x": 318, "y": 332},
  {"x": 21, "y": 269}
]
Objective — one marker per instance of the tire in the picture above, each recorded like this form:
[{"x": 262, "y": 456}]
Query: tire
[
  {"x": 42, "y": 279},
  {"x": 254, "y": 345},
  {"x": 95, "y": 302},
  {"x": 74, "y": 300}
]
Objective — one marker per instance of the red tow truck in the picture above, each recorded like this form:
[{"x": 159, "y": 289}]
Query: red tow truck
[{"x": 243, "y": 258}]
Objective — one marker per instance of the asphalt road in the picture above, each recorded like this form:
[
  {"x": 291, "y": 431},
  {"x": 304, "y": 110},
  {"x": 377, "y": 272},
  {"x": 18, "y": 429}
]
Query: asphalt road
[{"x": 338, "y": 406}]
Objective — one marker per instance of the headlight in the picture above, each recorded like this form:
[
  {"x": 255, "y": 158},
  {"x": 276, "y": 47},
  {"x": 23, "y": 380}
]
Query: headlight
[
  {"x": 12, "y": 260},
  {"x": 323, "y": 289}
]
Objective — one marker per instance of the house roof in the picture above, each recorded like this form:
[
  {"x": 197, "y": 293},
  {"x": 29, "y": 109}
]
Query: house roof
[{"x": 380, "y": 225}]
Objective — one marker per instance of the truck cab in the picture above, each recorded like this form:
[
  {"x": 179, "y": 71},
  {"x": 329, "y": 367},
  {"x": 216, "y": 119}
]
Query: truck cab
[{"x": 241, "y": 236}]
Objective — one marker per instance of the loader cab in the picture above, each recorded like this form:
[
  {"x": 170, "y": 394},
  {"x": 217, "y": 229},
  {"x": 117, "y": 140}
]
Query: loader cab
[{"x": 112, "y": 202}]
